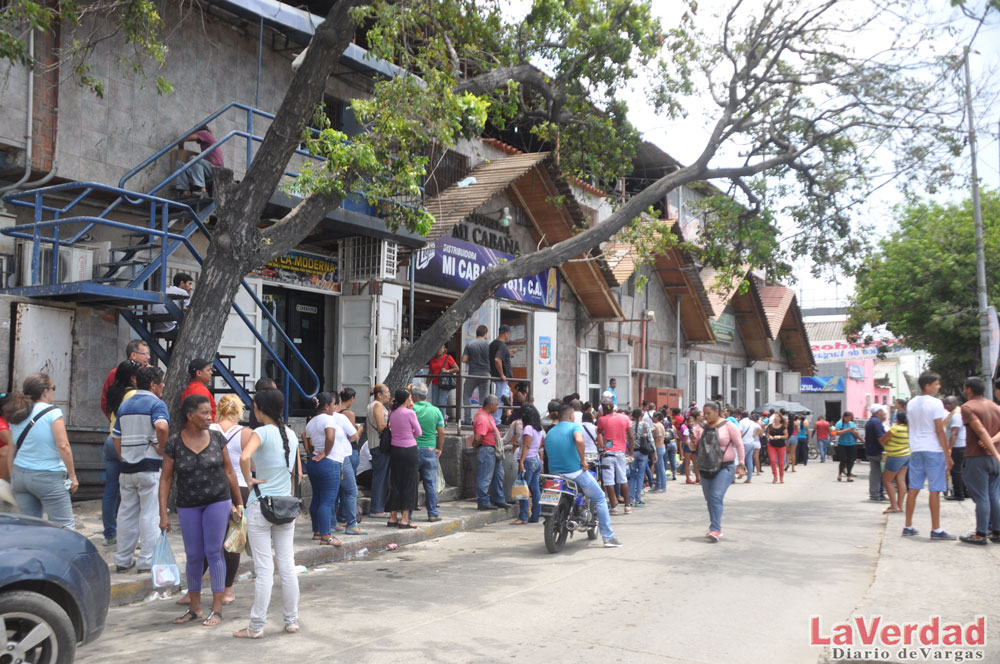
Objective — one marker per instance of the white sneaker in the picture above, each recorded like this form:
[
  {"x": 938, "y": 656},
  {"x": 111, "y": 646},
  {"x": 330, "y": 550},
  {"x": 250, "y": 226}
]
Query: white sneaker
[{"x": 612, "y": 543}]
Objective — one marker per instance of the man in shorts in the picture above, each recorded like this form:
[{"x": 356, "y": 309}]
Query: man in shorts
[
  {"x": 614, "y": 440},
  {"x": 930, "y": 458}
]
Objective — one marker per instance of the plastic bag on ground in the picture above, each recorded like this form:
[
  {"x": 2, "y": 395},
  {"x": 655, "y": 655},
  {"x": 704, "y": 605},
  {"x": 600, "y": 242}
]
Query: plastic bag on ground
[{"x": 166, "y": 573}]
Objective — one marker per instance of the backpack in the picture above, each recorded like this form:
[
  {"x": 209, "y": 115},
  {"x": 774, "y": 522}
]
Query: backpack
[{"x": 709, "y": 454}]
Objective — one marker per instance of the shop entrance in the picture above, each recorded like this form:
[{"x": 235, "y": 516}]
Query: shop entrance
[
  {"x": 520, "y": 352},
  {"x": 301, "y": 314}
]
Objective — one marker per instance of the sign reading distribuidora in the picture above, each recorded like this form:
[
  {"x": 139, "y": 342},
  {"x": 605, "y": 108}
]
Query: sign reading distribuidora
[
  {"x": 875, "y": 639},
  {"x": 830, "y": 351}
]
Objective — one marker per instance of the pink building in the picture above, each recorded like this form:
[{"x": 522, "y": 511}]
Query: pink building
[{"x": 861, "y": 391}]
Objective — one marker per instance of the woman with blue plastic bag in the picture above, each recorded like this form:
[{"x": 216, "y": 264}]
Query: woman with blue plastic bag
[
  {"x": 530, "y": 462},
  {"x": 207, "y": 495},
  {"x": 274, "y": 451}
]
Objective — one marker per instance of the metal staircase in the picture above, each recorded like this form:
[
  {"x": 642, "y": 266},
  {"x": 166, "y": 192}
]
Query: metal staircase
[{"x": 135, "y": 277}]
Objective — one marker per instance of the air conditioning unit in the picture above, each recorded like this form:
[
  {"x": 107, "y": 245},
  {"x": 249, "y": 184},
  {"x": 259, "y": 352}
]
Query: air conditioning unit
[
  {"x": 76, "y": 263},
  {"x": 366, "y": 258}
]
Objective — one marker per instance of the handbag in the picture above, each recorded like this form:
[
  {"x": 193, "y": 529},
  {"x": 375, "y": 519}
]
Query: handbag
[
  {"x": 279, "y": 510},
  {"x": 385, "y": 440},
  {"x": 236, "y": 538},
  {"x": 448, "y": 382}
]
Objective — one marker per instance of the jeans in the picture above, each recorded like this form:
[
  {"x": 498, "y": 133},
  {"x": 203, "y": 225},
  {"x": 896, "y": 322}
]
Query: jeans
[
  {"x": 439, "y": 397},
  {"x": 204, "y": 529},
  {"x": 139, "y": 518},
  {"x": 427, "y": 465},
  {"x": 957, "y": 483},
  {"x": 112, "y": 492},
  {"x": 349, "y": 479},
  {"x": 489, "y": 477},
  {"x": 469, "y": 386},
  {"x": 380, "y": 481},
  {"x": 348, "y": 495},
  {"x": 532, "y": 470},
  {"x": 503, "y": 390},
  {"x": 636, "y": 474},
  {"x": 672, "y": 458},
  {"x": 748, "y": 461},
  {"x": 195, "y": 176},
  {"x": 824, "y": 446},
  {"x": 714, "y": 490},
  {"x": 982, "y": 481},
  {"x": 36, "y": 491},
  {"x": 325, "y": 479},
  {"x": 875, "y": 488},
  {"x": 263, "y": 534},
  {"x": 661, "y": 469},
  {"x": 593, "y": 490}
]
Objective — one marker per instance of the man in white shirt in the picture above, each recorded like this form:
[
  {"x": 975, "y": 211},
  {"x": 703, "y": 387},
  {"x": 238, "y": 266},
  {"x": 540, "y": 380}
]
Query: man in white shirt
[
  {"x": 930, "y": 456},
  {"x": 183, "y": 284},
  {"x": 956, "y": 441}
]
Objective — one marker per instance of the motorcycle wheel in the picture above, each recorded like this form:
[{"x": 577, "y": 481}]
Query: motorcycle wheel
[
  {"x": 555, "y": 528},
  {"x": 813, "y": 452}
]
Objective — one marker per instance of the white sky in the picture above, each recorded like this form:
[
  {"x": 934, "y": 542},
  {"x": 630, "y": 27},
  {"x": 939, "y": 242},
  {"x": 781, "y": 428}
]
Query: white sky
[{"x": 685, "y": 138}]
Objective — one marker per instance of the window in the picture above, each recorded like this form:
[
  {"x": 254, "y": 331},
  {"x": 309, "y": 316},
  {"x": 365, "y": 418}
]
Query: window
[
  {"x": 734, "y": 387},
  {"x": 594, "y": 383},
  {"x": 715, "y": 389},
  {"x": 779, "y": 383},
  {"x": 760, "y": 387}
]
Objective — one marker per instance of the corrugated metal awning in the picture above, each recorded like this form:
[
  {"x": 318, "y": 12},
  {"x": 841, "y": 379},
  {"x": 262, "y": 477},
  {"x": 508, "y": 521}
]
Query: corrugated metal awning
[{"x": 455, "y": 203}]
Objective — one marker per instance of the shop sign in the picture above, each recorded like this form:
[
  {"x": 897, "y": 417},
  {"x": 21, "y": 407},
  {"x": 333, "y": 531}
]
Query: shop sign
[
  {"x": 454, "y": 264},
  {"x": 724, "y": 327},
  {"x": 822, "y": 383},
  {"x": 303, "y": 270}
]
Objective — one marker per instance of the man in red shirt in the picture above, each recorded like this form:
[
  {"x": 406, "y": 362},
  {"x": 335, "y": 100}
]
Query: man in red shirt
[
  {"x": 489, "y": 477},
  {"x": 614, "y": 440},
  {"x": 136, "y": 350},
  {"x": 822, "y": 430},
  {"x": 200, "y": 371}
]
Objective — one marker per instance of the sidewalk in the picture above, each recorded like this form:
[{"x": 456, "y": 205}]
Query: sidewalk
[
  {"x": 917, "y": 579},
  {"x": 456, "y": 516}
]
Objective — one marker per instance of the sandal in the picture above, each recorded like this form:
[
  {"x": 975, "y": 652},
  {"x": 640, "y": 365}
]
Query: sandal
[
  {"x": 317, "y": 537},
  {"x": 212, "y": 616},
  {"x": 392, "y": 524},
  {"x": 891, "y": 510},
  {"x": 850, "y": 479},
  {"x": 411, "y": 526},
  {"x": 188, "y": 616},
  {"x": 518, "y": 522},
  {"x": 247, "y": 633},
  {"x": 292, "y": 628},
  {"x": 330, "y": 541}
]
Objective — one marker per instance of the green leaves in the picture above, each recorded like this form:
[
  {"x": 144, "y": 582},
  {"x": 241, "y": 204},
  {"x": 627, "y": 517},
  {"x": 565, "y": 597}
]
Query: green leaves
[{"x": 922, "y": 283}]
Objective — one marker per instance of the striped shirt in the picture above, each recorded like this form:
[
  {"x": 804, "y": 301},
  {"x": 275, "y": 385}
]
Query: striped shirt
[
  {"x": 136, "y": 426},
  {"x": 899, "y": 444}
]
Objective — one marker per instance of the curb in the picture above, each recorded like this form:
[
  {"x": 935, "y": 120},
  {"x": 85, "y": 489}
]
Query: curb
[{"x": 136, "y": 590}]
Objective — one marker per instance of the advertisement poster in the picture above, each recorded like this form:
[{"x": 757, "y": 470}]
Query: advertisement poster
[
  {"x": 545, "y": 350},
  {"x": 455, "y": 264},
  {"x": 822, "y": 384},
  {"x": 297, "y": 268},
  {"x": 724, "y": 327}
]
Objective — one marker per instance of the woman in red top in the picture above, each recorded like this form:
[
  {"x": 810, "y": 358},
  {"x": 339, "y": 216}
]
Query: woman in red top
[
  {"x": 200, "y": 371},
  {"x": 442, "y": 363}
]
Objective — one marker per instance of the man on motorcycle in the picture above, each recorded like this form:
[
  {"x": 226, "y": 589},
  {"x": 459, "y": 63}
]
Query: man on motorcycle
[{"x": 564, "y": 449}]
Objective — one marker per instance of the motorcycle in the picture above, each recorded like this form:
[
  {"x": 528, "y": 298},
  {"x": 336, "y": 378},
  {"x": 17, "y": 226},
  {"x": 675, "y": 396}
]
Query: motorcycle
[{"x": 566, "y": 509}]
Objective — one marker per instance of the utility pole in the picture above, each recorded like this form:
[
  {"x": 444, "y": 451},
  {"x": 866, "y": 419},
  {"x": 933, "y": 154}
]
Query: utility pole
[{"x": 977, "y": 219}]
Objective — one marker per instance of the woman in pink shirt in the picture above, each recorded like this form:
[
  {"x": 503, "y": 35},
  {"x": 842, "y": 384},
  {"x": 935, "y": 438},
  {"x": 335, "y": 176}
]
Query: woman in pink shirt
[
  {"x": 715, "y": 483},
  {"x": 403, "y": 460}
]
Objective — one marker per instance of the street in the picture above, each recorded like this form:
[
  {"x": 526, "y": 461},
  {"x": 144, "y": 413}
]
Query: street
[{"x": 808, "y": 547}]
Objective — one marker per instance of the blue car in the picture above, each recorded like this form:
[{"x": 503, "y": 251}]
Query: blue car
[{"x": 54, "y": 591}]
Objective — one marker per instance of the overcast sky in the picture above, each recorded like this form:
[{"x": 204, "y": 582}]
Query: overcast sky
[{"x": 684, "y": 139}]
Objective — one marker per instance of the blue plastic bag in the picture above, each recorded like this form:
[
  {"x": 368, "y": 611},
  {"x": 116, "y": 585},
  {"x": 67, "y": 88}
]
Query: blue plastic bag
[{"x": 166, "y": 573}]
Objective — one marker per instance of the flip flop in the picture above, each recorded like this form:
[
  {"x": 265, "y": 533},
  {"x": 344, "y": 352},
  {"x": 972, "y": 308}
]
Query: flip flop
[
  {"x": 212, "y": 614},
  {"x": 330, "y": 541},
  {"x": 410, "y": 526},
  {"x": 187, "y": 617}
]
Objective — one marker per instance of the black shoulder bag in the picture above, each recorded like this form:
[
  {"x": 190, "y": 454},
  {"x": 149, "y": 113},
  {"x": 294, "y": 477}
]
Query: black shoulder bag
[{"x": 279, "y": 510}]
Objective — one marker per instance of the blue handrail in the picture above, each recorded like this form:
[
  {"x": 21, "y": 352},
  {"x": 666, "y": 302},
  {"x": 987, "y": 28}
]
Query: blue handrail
[{"x": 170, "y": 243}]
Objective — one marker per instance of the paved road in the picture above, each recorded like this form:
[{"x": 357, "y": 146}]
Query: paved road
[{"x": 808, "y": 547}]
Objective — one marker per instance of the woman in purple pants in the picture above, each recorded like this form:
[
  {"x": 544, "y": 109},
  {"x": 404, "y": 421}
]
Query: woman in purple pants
[{"x": 207, "y": 494}]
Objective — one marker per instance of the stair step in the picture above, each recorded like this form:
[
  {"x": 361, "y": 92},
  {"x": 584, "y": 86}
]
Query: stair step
[{"x": 137, "y": 247}]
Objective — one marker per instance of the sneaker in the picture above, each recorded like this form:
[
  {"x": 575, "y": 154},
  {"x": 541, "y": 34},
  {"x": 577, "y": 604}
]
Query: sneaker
[
  {"x": 124, "y": 568},
  {"x": 110, "y": 541},
  {"x": 628, "y": 509},
  {"x": 713, "y": 535},
  {"x": 909, "y": 531},
  {"x": 973, "y": 539},
  {"x": 995, "y": 536},
  {"x": 612, "y": 543},
  {"x": 613, "y": 511},
  {"x": 942, "y": 535},
  {"x": 486, "y": 508},
  {"x": 954, "y": 498}
]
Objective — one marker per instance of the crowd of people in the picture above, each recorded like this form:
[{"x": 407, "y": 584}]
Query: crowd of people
[{"x": 216, "y": 472}]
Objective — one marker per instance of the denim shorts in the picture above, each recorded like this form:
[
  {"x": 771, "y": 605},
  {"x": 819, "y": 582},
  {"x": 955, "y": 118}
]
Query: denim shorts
[
  {"x": 928, "y": 466},
  {"x": 895, "y": 464}
]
